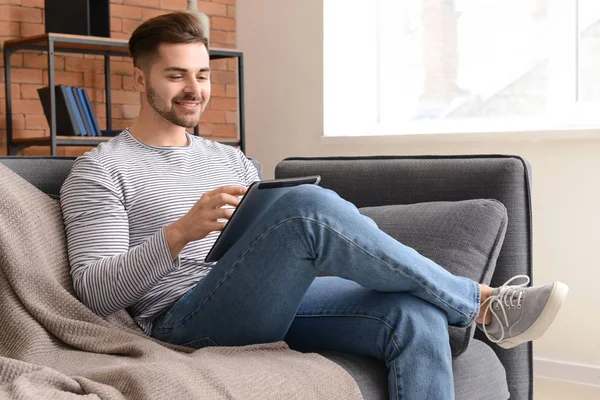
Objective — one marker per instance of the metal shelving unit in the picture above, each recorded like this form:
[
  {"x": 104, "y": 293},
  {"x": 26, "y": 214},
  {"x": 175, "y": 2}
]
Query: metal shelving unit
[{"x": 107, "y": 47}]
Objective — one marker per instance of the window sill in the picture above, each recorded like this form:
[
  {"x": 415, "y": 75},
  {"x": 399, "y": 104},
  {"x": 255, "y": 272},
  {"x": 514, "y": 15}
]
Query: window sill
[{"x": 474, "y": 137}]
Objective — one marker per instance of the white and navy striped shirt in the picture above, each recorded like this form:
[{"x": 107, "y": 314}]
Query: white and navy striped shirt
[{"x": 116, "y": 203}]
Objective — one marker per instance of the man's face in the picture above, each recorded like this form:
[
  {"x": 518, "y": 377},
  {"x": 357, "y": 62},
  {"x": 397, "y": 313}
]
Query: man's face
[{"x": 178, "y": 83}]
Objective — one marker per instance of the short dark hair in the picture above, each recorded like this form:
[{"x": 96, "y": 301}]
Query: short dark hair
[{"x": 175, "y": 28}]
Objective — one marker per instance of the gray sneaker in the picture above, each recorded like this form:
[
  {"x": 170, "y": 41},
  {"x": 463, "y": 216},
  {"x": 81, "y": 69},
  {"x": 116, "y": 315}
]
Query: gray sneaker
[{"x": 520, "y": 313}]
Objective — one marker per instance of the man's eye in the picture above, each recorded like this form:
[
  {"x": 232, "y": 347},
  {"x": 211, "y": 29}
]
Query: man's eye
[
  {"x": 176, "y": 77},
  {"x": 202, "y": 78}
]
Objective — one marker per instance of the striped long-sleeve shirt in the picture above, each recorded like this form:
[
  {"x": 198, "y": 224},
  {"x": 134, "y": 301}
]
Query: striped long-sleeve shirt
[{"x": 116, "y": 203}]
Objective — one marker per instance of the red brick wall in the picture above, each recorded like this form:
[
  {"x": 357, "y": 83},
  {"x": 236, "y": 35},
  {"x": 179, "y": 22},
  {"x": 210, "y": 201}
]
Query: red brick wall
[{"x": 21, "y": 18}]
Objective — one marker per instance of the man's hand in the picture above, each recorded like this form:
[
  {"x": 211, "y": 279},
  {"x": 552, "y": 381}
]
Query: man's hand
[{"x": 203, "y": 217}]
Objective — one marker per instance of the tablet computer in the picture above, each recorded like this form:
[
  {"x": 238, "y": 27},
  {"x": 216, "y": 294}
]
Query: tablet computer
[{"x": 258, "y": 198}]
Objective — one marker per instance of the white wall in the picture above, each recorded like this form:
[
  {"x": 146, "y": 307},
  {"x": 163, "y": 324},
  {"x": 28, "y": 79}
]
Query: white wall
[{"x": 282, "y": 45}]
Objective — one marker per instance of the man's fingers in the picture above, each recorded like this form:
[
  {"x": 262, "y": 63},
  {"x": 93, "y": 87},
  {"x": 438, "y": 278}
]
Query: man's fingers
[
  {"x": 223, "y": 200},
  {"x": 224, "y": 213},
  {"x": 232, "y": 190},
  {"x": 220, "y": 215},
  {"x": 226, "y": 195},
  {"x": 215, "y": 226}
]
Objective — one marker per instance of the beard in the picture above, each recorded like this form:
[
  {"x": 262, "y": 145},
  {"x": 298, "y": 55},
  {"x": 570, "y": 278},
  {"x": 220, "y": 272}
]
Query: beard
[{"x": 168, "y": 112}]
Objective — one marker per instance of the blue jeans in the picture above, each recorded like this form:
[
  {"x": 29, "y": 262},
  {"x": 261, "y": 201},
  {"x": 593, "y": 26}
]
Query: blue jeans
[{"x": 385, "y": 301}]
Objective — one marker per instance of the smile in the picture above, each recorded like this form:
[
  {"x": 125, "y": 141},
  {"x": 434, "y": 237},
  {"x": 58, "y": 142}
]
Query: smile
[{"x": 188, "y": 104}]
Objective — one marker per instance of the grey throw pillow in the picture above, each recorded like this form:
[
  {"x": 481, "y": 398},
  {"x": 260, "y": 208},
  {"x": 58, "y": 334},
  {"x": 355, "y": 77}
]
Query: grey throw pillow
[{"x": 464, "y": 237}]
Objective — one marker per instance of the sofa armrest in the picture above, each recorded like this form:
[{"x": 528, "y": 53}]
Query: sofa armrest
[{"x": 385, "y": 180}]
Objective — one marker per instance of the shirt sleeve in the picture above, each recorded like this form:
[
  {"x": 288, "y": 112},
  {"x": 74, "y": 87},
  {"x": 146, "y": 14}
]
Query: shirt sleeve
[
  {"x": 250, "y": 172},
  {"x": 107, "y": 275}
]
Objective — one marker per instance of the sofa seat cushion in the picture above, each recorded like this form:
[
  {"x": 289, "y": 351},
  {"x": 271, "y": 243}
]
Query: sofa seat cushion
[
  {"x": 478, "y": 374},
  {"x": 464, "y": 237}
]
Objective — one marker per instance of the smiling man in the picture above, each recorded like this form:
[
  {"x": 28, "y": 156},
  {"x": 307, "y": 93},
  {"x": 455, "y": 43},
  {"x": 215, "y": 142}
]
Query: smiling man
[
  {"x": 142, "y": 210},
  {"x": 132, "y": 204},
  {"x": 165, "y": 75}
]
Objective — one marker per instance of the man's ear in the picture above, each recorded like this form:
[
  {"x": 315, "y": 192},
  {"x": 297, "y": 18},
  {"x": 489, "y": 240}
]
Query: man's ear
[{"x": 139, "y": 79}]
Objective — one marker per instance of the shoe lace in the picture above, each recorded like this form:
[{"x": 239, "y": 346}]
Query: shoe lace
[{"x": 508, "y": 296}]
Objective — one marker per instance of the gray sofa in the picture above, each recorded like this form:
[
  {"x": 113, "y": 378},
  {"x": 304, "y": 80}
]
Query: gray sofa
[{"x": 480, "y": 371}]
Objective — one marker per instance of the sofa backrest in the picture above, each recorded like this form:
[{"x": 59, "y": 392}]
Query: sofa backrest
[
  {"x": 49, "y": 173},
  {"x": 45, "y": 173}
]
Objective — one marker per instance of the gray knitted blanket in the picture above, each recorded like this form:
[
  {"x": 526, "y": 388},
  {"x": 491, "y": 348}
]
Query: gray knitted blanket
[{"x": 53, "y": 347}]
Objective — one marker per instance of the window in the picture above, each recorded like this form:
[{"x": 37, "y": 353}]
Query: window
[{"x": 434, "y": 66}]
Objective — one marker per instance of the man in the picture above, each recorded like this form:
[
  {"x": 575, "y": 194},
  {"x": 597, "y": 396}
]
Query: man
[{"x": 142, "y": 210}]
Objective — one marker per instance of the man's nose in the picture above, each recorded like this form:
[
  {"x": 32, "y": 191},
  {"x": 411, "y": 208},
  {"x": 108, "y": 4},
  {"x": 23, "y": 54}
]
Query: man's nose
[{"x": 193, "y": 87}]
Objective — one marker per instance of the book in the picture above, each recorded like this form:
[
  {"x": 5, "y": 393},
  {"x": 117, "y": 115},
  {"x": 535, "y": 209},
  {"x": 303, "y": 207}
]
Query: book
[
  {"x": 74, "y": 107},
  {"x": 80, "y": 108},
  {"x": 87, "y": 118},
  {"x": 92, "y": 113},
  {"x": 66, "y": 119}
]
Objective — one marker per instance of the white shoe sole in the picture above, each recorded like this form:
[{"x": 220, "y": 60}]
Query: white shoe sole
[{"x": 541, "y": 325}]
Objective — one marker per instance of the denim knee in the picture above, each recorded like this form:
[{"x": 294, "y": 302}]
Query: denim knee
[
  {"x": 413, "y": 325},
  {"x": 311, "y": 200}
]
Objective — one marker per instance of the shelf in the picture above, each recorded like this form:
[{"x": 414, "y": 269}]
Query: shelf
[
  {"x": 62, "y": 140},
  {"x": 90, "y": 44},
  {"x": 53, "y": 43},
  {"x": 95, "y": 140}
]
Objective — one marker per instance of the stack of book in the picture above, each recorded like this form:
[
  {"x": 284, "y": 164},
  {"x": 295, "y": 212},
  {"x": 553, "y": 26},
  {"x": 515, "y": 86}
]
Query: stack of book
[{"x": 74, "y": 112}]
